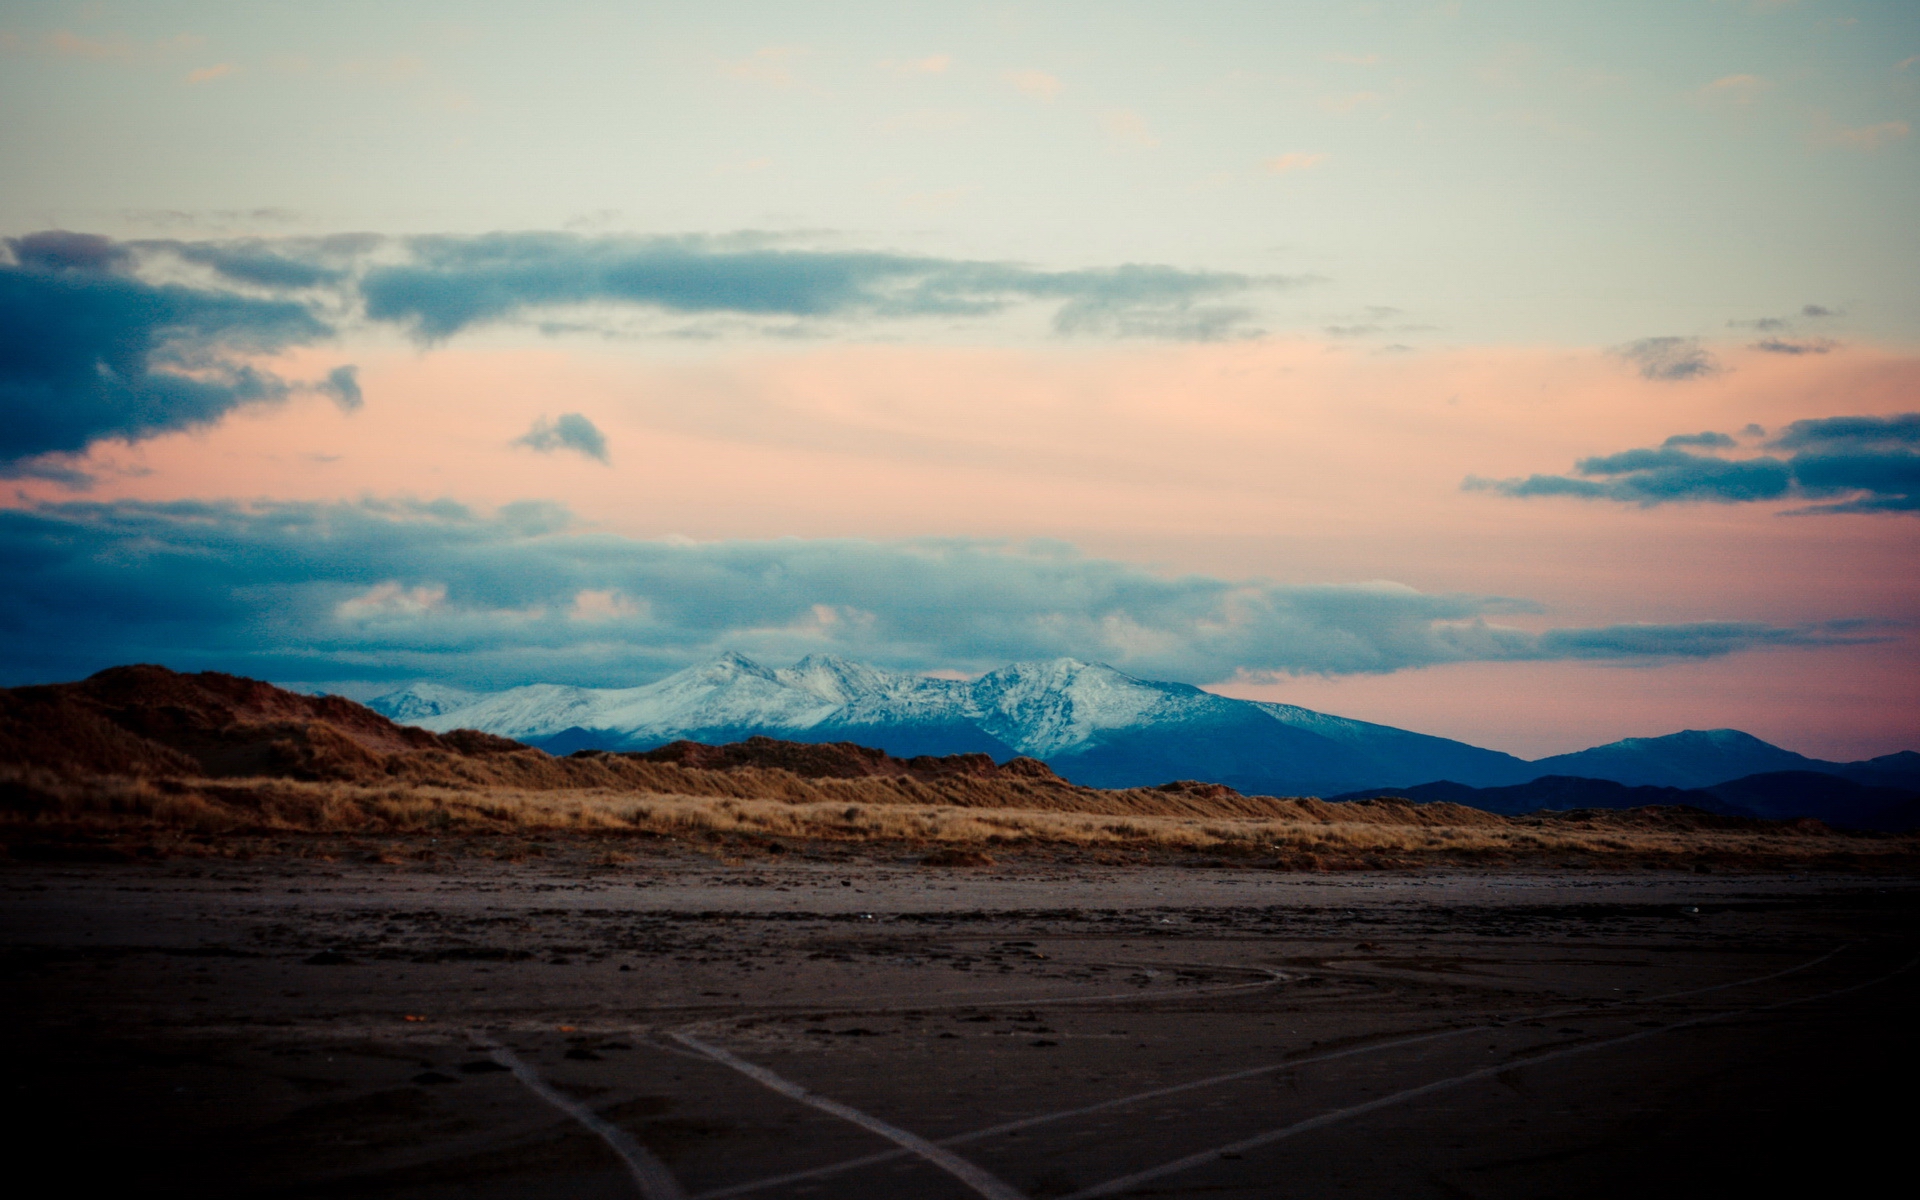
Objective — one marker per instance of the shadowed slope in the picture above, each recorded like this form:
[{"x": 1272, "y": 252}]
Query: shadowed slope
[{"x": 150, "y": 720}]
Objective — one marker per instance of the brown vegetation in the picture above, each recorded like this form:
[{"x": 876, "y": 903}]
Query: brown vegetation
[
  {"x": 148, "y": 756},
  {"x": 164, "y": 815}
]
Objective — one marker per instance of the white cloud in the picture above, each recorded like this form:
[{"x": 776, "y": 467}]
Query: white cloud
[
  {"x": 770, "y": 65},
  {"x": 1294, "y": 162},
  {"x": 1129, "y": 128},
  {"x": 932, "y": 64},
  {"x": 390, "y": 600},
  {"x": 1865, "y": 137},
  {"x": 1735, "y": 89},
  {"x": 1352, "y": 102},
  {"x": 604, "y": 604},
  {"x": 1038, "y": 84}
]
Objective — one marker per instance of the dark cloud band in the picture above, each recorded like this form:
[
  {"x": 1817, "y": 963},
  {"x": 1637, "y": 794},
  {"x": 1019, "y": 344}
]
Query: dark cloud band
[
  {"x": 89, "y": 351},
  {"x": 448, "y": 284},
  {"x": 374, "y": 590},
  {"x": 1847, "y": 464},
  {"x": 103, "y": 339}
]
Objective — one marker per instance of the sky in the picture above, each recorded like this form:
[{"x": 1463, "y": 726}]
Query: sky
[{"x": 1534, "y": 374}]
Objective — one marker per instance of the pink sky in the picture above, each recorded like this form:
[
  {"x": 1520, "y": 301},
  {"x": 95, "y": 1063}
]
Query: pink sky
[{"x": 1300, "y": 461}]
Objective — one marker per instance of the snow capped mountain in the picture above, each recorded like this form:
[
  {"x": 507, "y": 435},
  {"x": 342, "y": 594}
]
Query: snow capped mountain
[
  {"x": 1035, "y": 708},
  {"x": 1097, "y": 724},
  {"x": 728, "y": 692},
  {"x": 421, "y": 701},
  {"x": 1091, "y": 723},
  {"x": 1047, "y": 708}
]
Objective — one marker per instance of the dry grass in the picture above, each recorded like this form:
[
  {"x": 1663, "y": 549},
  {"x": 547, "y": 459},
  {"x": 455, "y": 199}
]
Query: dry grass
[{"x": 1301, "y": 833}]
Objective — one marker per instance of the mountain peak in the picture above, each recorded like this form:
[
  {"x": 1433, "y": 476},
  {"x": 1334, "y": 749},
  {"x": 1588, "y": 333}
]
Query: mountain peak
[
  {"x": 1051, "y": 671},
  {"x": 1097, "y": 724},
  {"x": 417, "y": 701},
  {"x": 1690, "y": 758},
  {"x": 834, "y": 678},
  {"x": 835, "y": 661},
  {"x": 1719, "y": 738},
  {"x": 726, "y": 664}
]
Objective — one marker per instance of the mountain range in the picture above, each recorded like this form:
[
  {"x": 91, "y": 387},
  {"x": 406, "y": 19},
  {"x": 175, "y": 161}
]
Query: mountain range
[{"x": 1095, "y": 725}]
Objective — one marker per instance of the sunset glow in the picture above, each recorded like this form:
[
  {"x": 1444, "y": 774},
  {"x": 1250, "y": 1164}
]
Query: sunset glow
[{"x": 1453, "y": 367}]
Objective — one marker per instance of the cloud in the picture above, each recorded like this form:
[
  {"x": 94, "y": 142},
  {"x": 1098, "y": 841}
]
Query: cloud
[
  {"x": 932, "y": 64},
  {"x": 436, "y": 286},
  {"x": 1699, "y": 639},
  {"x": 450, "y": 283},
  {"x": 1862, "y": 464},
  {"x": 63, "y": 250},
  {"x": 1650, "y": 477},
  {"x": 1851, "y": 433},
  {"x": 1784, "y": 345},
  {"x": 1294, "y": 161},
  {"x": 209, "y": 74},
  {"x": 1354, "y": 60},
  {"x": 1378, "y": 321},
  {"x": 282, "y": 264},
  {"x": 1129, "y": 128},
  {"x": 1038, "y": 84},
  {"x": 106, "y": 339},
  {"x": 571, "y": 432},
  {"x": 384, "y": 590},
  {"x": 602, "y": 604},
  {"x": 927, "y": 120},
  {"x": 1735, "y": 89},
  {"x": 1351, "y": 102},
  {"x": 1669, "y": 358},
  {"x": 1865, "y": 137},
  {"x": 343, "y": 384},
  {"x": 1143, "y": 301},
  {"x": 1709, "y": 439},
  {"x": 771, "y": 65},
  {"x": 389, "y": 601},
  {"x": 72, "y": 45},
  {"x": 1774, "y": 345},
  {"x": 90, "y": 351}
]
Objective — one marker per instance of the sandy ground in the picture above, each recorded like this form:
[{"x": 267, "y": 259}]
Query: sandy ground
[{"x": 676, "y": 1028}]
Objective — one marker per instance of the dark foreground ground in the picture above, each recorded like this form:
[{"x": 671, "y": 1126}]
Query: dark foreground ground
[{"x": 812, "y": 1029}]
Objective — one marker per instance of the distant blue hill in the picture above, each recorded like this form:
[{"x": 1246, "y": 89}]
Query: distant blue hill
[
  {"x": 1775, "y": 795},
  {"x": 1693, "y": 758}
]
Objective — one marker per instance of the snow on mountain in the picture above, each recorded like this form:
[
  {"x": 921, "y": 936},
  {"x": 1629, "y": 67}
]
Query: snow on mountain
[
  {"x": 1045, "y": 708},
  {"x": 1035, "y": 708},
  {"x": 1108, "y": 727},
  {"x": 1092, "y": 723},
  {"x": 415, "y": 703},
  {"x": 729, "y": 692}
]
